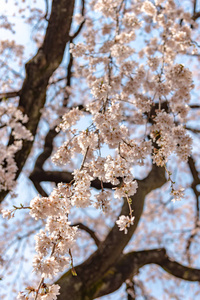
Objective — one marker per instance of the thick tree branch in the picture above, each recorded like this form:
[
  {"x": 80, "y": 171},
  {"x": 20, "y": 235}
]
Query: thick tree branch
[
  {"x": 38, "y": 172},
  {"x": 48, "y": 146},
  {"x": 126, "y": 267},
  {"x": 39, "y": 175},
  {"x": 109, "y": 251},
  {"x": 129, "y": 265},
  {"x": 194, "y": 184},
  {"x": 39, "y": 69}
]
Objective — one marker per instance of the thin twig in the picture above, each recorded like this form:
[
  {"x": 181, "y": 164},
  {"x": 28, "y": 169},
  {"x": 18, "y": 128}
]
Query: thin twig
[
  {"x": 7, "y": 95},
  {"x": 47, "y": 10},
  {"x": 194, "y": 7},
  {"x": 81, "y": 25},
  {"x": 39, "y": 286},
  {"x": 84, "y": 158}
]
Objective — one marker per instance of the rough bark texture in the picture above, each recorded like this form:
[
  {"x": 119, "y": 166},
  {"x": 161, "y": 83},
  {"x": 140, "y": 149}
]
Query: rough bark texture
[
  {"x": 108, "y": 268},
  {"x": 38, "y": 71},
  {"x": 128, "y": 265},
  {"x": 89, "y": 281}
]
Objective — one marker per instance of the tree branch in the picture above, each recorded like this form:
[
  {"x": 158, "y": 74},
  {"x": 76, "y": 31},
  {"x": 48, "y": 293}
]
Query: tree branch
[
  {"x": 48, "y": 146},
  {"x": 194, "y": 6},
  {"x": 109, "y": 251},
  {"x": 47, "y": 10},
  {"x": 9, "y": 95},
  {"x": 38, "y": 71},
  {"x": 129, "y": 265},
  {"x": 194, "y": 184},
  {"x": 195, "y": 106},
  {"x": 196, "y": 16},
  {"x": 39, "y": 188},
  {"x": 40, "y": 175},
  {"x": 126, "y": 267},
  {"x": 193, "y": 129},
  {"x": 130, "y": 290},
  {"x": 90, "y": 231},
  {"x": 81, "y": 25}
]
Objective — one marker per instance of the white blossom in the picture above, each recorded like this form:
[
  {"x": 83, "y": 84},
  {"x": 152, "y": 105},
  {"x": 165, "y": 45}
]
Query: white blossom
[
  {"x": 7, "y": 214},
  {"x": 47, "y": 267},
  {"x": 52, "y": 291},
  {"x": 124, "y": 222},
  {"x": 126, "y": 190},
  {"x": 177, "y": 194},
  {"x": 135, "y": 110},
  {"x": 22, "y": 296},
  {"x": 149, "y": 8}
]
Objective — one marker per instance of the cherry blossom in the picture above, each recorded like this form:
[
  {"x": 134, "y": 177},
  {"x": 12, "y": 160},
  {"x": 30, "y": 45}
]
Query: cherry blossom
[{"x": 136, "y": 108}]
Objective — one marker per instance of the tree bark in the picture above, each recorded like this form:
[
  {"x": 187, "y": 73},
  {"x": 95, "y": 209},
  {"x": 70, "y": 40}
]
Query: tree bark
[
  {"x": 89, "y": 281},
  {"x": 126, "y": 267},
  {"x": 38, "y": 71}
]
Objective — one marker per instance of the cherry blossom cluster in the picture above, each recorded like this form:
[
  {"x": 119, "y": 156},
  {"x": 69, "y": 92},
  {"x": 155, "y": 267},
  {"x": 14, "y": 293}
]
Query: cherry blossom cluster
[
  {"x": 58, "y": 236},
  {"x": 48, "y": 292},
  {"x": 11, "y": 120},
  {"x": 169, "y": 138},
  {"x": 124, "y": 96},
  {"x": 52, "y": 243},
  {"x": 124, "y": 222},
  {"x": 156, "y": 92}
]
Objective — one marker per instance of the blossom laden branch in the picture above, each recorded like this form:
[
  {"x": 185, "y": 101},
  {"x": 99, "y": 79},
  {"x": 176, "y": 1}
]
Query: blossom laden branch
[
  {"x": 160, "y": 85},
  {"x": 8, "y": 214}
]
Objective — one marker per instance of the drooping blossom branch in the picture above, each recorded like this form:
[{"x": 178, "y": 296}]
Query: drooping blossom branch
[{"x": 156, "y": 94}]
